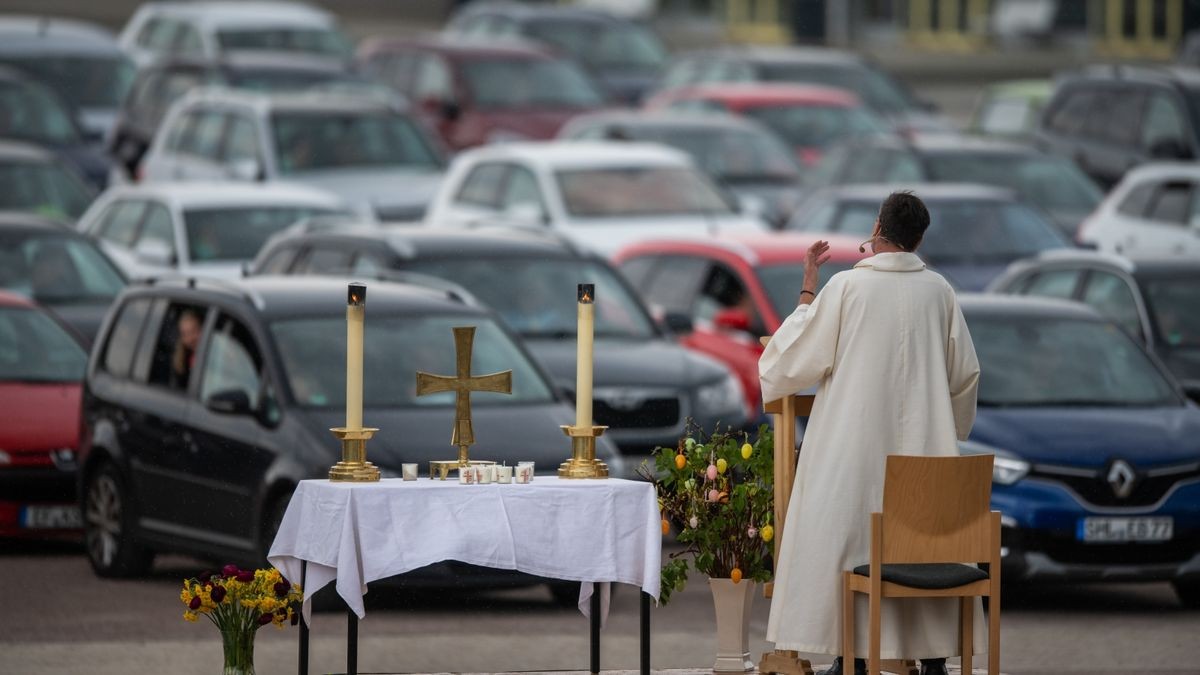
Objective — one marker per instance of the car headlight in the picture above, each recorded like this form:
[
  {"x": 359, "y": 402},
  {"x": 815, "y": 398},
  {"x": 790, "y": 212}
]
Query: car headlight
[
  {"x": 724, "y": 396},
  {"x": 1007, "y": 468}
]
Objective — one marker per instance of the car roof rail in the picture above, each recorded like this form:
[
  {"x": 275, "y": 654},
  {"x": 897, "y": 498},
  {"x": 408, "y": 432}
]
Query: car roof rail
[
  {"x": 452, "y": 290},
  {"x": 214, "y": 284}
]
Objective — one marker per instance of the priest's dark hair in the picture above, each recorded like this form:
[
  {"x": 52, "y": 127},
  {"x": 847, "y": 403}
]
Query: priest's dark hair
[{"x": 903, "y": 219}]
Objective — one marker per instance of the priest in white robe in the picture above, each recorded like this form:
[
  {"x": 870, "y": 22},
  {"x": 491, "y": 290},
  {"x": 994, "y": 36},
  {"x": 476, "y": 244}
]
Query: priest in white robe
[{"x": 886, "y": 346}]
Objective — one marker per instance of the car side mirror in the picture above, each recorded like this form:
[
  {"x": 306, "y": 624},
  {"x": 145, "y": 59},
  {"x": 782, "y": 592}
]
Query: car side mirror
[
  {"x": 679, "y": 323},
  {"x": 154, "y": 252},
  {"x": 229, "y": 402},
  {"x": 732, "y": 318},
  {"x": 245, "y": 170}
]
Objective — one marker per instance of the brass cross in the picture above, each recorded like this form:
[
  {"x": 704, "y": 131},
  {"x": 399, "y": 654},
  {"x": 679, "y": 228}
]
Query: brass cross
[{"x": 462, "y": 384}]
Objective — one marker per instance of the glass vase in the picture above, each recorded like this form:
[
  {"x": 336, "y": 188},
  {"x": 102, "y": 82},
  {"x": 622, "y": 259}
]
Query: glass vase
[{"x": 239, "y": 651}]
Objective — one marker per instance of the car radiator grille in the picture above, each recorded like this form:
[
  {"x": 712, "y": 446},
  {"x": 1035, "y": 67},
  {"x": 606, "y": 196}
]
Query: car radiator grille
[
  {"x": 1071, "y": 551},
  {"x": 1150, "y": 486},
  {"x": 648, "y": 413}
]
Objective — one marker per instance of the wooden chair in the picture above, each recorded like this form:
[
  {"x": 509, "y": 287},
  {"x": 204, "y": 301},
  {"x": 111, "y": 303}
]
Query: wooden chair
[{"x": 936, "y": 519}]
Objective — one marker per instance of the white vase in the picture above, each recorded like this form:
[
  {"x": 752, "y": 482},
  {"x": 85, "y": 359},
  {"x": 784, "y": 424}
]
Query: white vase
[{"x": 732, "y": 603}]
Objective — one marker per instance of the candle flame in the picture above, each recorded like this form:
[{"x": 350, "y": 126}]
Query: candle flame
[{"x": 586, "y": 297}]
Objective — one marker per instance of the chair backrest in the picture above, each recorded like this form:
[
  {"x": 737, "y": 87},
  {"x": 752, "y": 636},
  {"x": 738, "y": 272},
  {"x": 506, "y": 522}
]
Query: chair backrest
[{"x": 937, "y": 509}]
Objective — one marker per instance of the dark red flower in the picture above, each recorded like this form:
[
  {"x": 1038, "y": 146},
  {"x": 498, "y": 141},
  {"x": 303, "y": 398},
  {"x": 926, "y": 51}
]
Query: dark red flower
[
  {"x": 230, "y": 570},
  {"x": 282, "y": 588},
  {"x": 265, "y": 619},
  {"x": 195, "y": 603},
  {"x": 245, "y": 576},
  {"x": 218, "y": 593}
]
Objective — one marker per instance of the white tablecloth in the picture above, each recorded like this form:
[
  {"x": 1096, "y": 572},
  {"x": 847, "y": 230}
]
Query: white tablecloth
[{"x": 576, "y": 530}]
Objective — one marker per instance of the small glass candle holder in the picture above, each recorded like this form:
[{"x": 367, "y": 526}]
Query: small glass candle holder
[
  {"x": 523, "y": 474},
  {"x": 468, "y": 475},
  {"x": 409, "y": 471},
  {"x": 504, "y": 475},
  {"x": 487, "y": 474}
]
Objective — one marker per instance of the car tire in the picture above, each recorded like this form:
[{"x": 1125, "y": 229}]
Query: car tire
[
  {"x": 108, "y": 527},
  {"x": 1188, "y": 592},
  {"x": 271, "y": 519}
]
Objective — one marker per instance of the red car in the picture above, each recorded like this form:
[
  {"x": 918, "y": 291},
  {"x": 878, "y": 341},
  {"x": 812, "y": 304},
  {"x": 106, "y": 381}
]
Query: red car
[
  {"x": 808, "y": 118},
  {"x": 41, "y": 372},
  {"x": 475, "y": 92},
  {"x": 735, "y": 289}
]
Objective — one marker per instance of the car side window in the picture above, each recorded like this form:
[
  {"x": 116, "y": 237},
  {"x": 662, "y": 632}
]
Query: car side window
[
  {"x": 675, "y": 283},
  {"x": 722, "y": 289},
  {"x": 1136, "y": 201},
  {"x": 145, "y": 34},
  {"x": 637, "y": 270},
  {"x": 1171, "y": 203},
  {"x": 866, "y": 167},
  {"x": 521, "y": 188},
  {"x": 1110, "y": 295},
  {"x": 325, "y": 261},
  {"x": 174, "y": 356},
  {"x": 123, "y": 338},
  {"x": 1124, "y": 110},
  {"x": 903, "y": 168},
  {"x": 158, "y": 226},
  {"x": 1073, "y": 113},
  {"x": 159, "y": 35},
  {"x": 232, "y": 364},
  {"x": 121, "y": 220},
  {"x": 397, "y": 69},
  {"x": 366, "y": 265},
  {"x": 1163, "y": 129},
  {"x": 1053, "y": 284},
  {"x": 482, "y": 186},
  {"x": 241, "y": 141},
  {"x": 681, "y": 72},
  {"x": 187, "y": 41},
  {"x": 279, "y": 261},
  {"x": 205, "y": 140},
  {"x": 433, "y": 81}
]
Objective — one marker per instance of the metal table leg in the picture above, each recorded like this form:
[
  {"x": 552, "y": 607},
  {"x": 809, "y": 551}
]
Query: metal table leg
[
  {"x": 595, "y": 617},
  {"x": 351, "y": 642},
  {"x": 645, "y": 630},
  {"x": 303, "y": 656}
]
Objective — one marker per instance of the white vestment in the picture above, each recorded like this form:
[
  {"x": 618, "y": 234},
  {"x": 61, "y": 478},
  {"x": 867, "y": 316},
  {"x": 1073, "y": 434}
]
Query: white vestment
[{"x": 889, "y": 351}]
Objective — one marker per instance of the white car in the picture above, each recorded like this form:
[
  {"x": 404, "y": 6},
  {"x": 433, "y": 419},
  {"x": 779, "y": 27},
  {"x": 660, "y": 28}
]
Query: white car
[
  {"x": 198, "y": 229},
  {"x": 371, "y": 153},
  {"x": 603, "y": 195},
  {"x": 207, "y": 29},
  {"x": 1153, "y": 211}
]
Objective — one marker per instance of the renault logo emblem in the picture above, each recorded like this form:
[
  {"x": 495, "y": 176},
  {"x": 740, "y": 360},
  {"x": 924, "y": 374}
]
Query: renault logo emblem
[{"x": 1122, "y": 479}]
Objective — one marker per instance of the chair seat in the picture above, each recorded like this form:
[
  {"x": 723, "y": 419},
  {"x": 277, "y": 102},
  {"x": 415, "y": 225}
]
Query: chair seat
[{"x": 927, "y": 575}]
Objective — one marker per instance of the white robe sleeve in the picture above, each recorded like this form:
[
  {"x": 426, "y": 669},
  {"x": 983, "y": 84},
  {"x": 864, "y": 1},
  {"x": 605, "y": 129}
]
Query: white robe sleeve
[
  {"x": 801, "y": 353},
  {"x": 962, "y": 369}
]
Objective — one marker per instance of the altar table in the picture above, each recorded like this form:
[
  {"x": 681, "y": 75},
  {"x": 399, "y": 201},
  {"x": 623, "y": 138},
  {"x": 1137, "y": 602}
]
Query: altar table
[{"x": 591, "y": 531}]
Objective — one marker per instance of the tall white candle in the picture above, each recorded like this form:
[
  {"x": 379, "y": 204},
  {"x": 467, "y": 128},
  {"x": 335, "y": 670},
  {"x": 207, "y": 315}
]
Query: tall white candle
[
  {"x": 583, "y": 367},
  {"x": 356, "y": 309}
]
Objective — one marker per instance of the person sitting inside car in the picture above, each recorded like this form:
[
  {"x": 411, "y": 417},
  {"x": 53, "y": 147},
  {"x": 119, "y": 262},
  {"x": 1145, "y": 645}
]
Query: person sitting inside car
[{"x": 186, "y": 342}]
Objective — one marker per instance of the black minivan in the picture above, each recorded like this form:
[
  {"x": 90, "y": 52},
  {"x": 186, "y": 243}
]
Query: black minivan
[{"x": 197, "y": 450}]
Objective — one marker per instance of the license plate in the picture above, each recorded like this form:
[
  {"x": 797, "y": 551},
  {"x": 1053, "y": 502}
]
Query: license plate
[
  {"x": 1116, "y": 530},
  {"x": 51, "y": 518}
]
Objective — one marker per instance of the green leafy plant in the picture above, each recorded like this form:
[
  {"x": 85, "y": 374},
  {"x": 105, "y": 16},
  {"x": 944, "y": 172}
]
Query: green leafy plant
[{"x": 717, "y": 491}]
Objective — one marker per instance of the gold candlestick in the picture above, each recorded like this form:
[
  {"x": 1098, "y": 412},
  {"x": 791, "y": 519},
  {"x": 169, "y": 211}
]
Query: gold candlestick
[
  {"x": 354, "y": 466},
  {"x": 583, "y": 462}
]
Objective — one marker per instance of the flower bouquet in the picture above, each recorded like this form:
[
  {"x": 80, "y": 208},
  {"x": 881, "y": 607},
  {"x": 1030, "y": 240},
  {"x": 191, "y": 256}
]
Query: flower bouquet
[{"x": 239, "y": 602}]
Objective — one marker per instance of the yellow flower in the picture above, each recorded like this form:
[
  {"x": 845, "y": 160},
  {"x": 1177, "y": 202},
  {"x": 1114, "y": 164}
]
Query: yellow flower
[
  {"x": 190, "y": 615},
  {"x": 249, "y": 603},
  {"x": 185, "y": 595}
]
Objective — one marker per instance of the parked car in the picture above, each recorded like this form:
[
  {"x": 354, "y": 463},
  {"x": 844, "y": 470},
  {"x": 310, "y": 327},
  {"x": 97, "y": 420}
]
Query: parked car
[
  {"x": 1051, "y": 183},
  {"x": 809, "y": 118},
  {"x": 1097, "y": 472},
  {"x": 740, "y": 155},
  {"x": 1154, "y": 210},
  {"x": 203, "y": 458},
  {"x": 974, "y": 231},
  {"x": 601, "y": 194},
  {"x": 374, "y": 156},
  {"x": 1110, "y": 119},
  {"x": 41, "y": 373},
  {"x": 33, "y": 113},
  {"x": 58, "y": 268},
  {"x": 625, "y": 57},
  {"x": 807, "y": 65},
  {"x": 199, "y": 229},
  {"x": 735, "y": 289},
  {"x": 159, "y": 85},
  {"x": 476, "y": 93},
  {"x": 646, "y": 386},
  {"x": 1157, "y": 300},
  {"x": 213, "y": 27},
  {"x": 1010, "y": 109},
  {"x": 35, "y": 180},
  {"x": 80, "y": 61}
]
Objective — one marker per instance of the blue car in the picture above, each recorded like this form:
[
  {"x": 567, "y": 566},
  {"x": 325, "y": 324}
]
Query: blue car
[{"x": 1097, "y": 470}]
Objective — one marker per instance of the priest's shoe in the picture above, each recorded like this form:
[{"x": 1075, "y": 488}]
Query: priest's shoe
[
  {"x": 933, "y": 667},
  {"x": 860, "y": 667}
]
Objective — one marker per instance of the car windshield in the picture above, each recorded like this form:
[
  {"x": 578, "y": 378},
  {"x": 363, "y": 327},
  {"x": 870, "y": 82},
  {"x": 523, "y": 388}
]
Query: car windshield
[
  {"x": 529, "y": 83},
  {"x": 815, "y": 126},
  {"x": 230, "y": 234},
  {"x": 31, "y": 112},
  {"x": 1051, "y": 183},
  {"x": 874, "y": 88},
  {"x": 324, "y": 41},
  {"x": 783, "y": 283},
  {"x": 53, "y": 267},
  {"x": 1029, "y": 361},
  {"x": 606, "y": 46},
  {"x": 537, "y": 296},
  {"x": 966, "y": 230},
  {"x": 410, "y": 344},
  {"x": 619, "y": 192},
  {"x": 33, "y": 348},
  {"x": 1175, "y": 307},
  {"x": 285, "y": 79},
  {"x": 727, "y": 154},
  {"x": 83, "y": 82},
  {"x": 43, "y": 188},
  {"x": 319, "y": 141}
]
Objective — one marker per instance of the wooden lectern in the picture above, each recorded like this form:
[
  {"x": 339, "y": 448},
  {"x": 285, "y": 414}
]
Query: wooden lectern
[{"x": 783, "y": 414}]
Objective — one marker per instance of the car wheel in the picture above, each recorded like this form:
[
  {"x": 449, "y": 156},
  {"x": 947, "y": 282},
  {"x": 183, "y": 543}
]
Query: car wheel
[
  {"x": 1188, "y": 592},
  {"x": 272, "y": 518},
  {"x": 107, "y": 520}
]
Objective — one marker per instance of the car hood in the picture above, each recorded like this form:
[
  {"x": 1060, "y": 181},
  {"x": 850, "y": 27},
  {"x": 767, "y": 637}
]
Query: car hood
[
  {"x": 84, "y": 317},
  {"x": 1092, "y": 437},
  {"x": 503, "y": 433},
  {"x": 627, "y": 363},
  {"x": 969, "y": 276},
  {"x": 39, "y": 417},
  {"x": 608, "y": 235},
  {"x": 381, "y": 189}
]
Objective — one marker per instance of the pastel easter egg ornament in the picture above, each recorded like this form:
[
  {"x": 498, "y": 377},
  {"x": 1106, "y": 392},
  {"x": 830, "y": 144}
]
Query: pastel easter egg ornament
[
  {"x": 747, "y": 450},
  {"x": 712, "y": 472}
]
